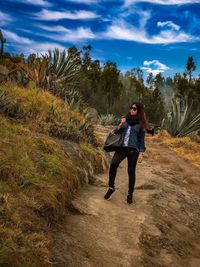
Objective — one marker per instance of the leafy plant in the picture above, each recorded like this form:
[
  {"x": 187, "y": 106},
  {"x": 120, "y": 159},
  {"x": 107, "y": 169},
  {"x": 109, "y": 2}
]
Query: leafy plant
[
  {"x": 63, "y": 68},
  {"x": 52, "y": 70},
  {"x": 179, "y": 123},
  {"x": 107, "y": 119},
  {"x": 72, "y": 97}
]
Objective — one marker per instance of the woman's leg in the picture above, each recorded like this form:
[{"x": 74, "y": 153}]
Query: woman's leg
[
  {"x": 117, "y": 158},
  {"x": 132, "y": 156}
]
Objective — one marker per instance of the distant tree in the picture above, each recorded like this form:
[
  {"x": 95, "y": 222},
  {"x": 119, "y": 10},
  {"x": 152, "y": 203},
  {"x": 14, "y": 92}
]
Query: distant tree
[
  {"x": 31, "y": 58},
  {"x": 138, "y": 74},
  {"x": 154, "y": 105},
  {"x": 158, "y": 80},
  {"x": 150, "y": 79},
  {"x": 190, "y": 67},
  {"x": 86, "y": 56},
  {"x": 169, "y": 81},
  {"x": 3, "y": 41},
  {"x": 74, "y": 53},
  {"x": 111, "y": 83}
]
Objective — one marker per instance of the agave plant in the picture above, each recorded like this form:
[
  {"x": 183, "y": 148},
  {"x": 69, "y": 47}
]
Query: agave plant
[
  {"x": 179, "y": 123},
  {"x": 72, "y": 97},
  {"x": 63, "y": 68},
  {"x": 36, "y": 70},
  {"x": 52, "y": 70},
  {"x": 107, "y": 119}
]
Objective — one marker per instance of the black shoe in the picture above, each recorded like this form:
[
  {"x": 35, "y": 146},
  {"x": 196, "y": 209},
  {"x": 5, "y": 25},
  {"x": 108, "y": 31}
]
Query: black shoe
[
  {"x": 109, "y": 193},
  {"x": 129, "y": 198}
]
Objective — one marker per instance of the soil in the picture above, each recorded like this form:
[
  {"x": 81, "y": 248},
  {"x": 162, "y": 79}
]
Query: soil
[{"x": 160, "y": 229}]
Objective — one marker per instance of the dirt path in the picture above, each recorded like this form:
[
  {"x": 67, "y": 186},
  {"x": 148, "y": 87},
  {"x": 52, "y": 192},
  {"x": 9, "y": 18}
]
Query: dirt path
[{"x": 162, "y": 228}]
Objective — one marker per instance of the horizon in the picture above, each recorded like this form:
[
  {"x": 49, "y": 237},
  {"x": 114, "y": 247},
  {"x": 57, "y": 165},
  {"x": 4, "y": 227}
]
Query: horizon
[{"x": 157, "y": 36}]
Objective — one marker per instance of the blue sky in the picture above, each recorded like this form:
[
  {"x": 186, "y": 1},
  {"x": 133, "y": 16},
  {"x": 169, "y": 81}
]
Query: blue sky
[{"x": 155, "y": 35}]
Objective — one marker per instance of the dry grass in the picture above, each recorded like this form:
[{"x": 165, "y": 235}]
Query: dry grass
[
  {"x": 44, "y": 113},
  {"x": 184, "y": 146},
  {"x": 37, "y": 176},
  {"x": 37, "y": 180}
]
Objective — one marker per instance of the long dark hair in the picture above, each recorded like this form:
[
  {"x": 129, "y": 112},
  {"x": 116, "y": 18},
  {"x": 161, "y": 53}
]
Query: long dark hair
[{"x": 140, "y": 114}]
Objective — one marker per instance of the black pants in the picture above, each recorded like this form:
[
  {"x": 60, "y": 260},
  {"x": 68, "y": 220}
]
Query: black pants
[{"x": 132, "y": 156}]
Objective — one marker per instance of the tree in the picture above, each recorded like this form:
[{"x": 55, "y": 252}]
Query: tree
[
  {"x": 74, "y": 53},
  {"x": 138, "y": 73},
  {"x": 154, "y": 105},
  {"x": 111, "y": 83},
  {"x": 150, "y": 79},
  {"x": 158, "y": 80},
  {"x": 190, "y": 67},
  {"x": 86, "y": 56},
  {"x": 3, "y": 41}
]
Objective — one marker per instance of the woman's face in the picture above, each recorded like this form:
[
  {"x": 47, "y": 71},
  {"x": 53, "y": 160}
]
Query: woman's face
[{"x": 133, "y": 110}]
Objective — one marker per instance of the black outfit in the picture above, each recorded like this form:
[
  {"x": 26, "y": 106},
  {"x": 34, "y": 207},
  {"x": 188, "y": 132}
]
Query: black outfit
[
  {"x": 131, "y": 153},
  {"x": 132, "y": 156}
]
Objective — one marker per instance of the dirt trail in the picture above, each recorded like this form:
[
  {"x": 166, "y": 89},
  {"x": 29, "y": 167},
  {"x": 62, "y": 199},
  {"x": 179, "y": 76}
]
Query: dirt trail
[{"x": 162, "y": 227}]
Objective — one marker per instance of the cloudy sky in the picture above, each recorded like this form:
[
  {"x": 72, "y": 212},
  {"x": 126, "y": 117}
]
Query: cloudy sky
[{"x": 156, "y": 35}]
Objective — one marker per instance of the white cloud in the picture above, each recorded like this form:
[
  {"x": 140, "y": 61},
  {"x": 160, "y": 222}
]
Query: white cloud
[
  {"x": 36, "y": 47},
  {"x": 162, "y": 2},
  {"x": 13, "y": 37},
  {"x": 169, "y": 24},
  {"x": 28, "y": 46},
  {"x": 154, "y": 67},
  {"x": 57, "y": 15},
  {"x": 57, "y": 28},
  {"x": 43, "y": 47},
  {"x": 121, "y": 30},
  {"x": 35, "y": 2},
  {"x": 4, "y": 19},
  {"x": 156, "y": 63},
  {"x": 68, "y": 35}
]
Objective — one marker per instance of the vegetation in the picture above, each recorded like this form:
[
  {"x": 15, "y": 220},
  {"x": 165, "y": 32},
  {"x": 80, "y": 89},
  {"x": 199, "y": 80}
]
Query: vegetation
[
  {"x": 181, "y": 124},
  {"x": 49, "y": 105},
  {"x": 47, "y": 152},
  {"x": 3, "y": 41},
  {"x": 108, "y": 119},
  {"x": 187, "y": 147},
  {"x": 40, "y": 111},
  {"x": 75, "y": 77}
]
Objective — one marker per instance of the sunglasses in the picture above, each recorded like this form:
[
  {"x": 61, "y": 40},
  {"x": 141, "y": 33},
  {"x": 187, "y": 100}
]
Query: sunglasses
[{"x": 134, "y": 108}]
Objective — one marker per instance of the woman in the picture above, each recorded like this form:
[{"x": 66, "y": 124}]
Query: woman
[{"x": 133, "y": 127}]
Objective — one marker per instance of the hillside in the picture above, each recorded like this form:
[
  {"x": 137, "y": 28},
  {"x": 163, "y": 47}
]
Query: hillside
[{"x": 47, "y": 151}]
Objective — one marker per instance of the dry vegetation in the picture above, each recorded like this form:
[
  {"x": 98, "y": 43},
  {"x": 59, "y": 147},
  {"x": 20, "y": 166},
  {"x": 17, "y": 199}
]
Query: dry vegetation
[
  {"x": 187, "y": 147},
  {"x": 38, "y": 173}
]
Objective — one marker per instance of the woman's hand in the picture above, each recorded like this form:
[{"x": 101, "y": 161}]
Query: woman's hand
[
  {"x": 140, "y": 158},
  {"x": 123, "y": 119}
]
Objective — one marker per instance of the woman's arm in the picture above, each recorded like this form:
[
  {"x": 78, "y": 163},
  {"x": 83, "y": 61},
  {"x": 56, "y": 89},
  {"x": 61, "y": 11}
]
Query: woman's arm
[{"x": 142, "y": 147}]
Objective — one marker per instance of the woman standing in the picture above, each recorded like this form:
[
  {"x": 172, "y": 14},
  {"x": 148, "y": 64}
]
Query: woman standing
[{"x": 133, "y": 126}]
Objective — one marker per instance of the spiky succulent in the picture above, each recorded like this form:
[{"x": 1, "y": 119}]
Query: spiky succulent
[
  {"x": 52, "y": 70},
  {"x": 107, "y": 119},
  {"x": 179, "y": 123},
  {"x": 63, "y": 68}
]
